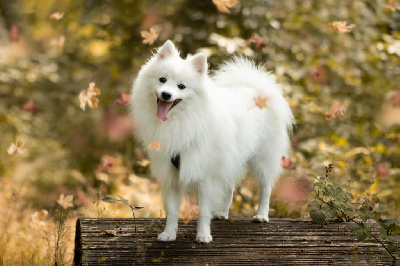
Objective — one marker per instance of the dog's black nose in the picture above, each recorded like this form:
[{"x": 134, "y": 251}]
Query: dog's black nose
[{"x": 165, "y": 96}]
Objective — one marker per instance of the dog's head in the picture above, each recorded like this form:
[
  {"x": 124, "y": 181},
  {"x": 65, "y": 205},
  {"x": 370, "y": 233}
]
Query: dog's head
[{"x": 175, "y": 82}]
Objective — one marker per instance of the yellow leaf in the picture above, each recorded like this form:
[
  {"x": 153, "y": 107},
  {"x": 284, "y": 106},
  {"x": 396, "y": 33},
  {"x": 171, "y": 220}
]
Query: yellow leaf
[
  {"x": 340, "y": 141},
  {"x": 341, "y": 164},
  {"x": 380, "y": 148},
  {"x": 373, "y": 189}
]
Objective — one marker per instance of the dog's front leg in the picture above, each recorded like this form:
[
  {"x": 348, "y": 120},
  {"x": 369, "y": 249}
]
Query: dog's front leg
[
  {"x": 205, "y": 215},
  {"x": 172, "y": 196}
]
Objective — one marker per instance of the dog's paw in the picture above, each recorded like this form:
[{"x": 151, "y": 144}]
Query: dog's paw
[
  {"x": 204, "y": 238},
  {"x": 260, "y": 218},
  {"x": 165, "y": 236}
]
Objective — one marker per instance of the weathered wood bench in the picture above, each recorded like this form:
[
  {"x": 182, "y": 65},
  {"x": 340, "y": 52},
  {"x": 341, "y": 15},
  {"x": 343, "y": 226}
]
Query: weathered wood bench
[{"x": 235, "y": 241}]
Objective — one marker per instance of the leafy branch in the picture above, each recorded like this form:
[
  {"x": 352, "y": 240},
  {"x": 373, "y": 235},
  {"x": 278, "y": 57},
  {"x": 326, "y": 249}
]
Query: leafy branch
[
  {"x": 111, "y": 199},
  {"x": 330, "y": 201}
]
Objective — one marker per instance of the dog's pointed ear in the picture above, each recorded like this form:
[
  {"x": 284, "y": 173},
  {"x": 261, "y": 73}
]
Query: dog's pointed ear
[
  {"x": 167, "y": 50},
  {"x": 199, "y": 62}
]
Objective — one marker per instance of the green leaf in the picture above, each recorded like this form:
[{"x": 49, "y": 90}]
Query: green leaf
[
  {"x": 359, "y": 232},
  {"x": 109, "y": 199},
  {"x": 375, "y": 199},
  {"x": 318, "y": 216},
  {"x": 122, "y": 198},
  {"x": 313, "y": 176},
  {"x": 313, "y": 205},
  {"x": 318, "y": 185}
]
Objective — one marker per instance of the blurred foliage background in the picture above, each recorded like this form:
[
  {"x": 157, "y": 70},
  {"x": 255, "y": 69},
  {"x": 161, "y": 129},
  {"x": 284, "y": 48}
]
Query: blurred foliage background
[{"x": 51, "y": 50}]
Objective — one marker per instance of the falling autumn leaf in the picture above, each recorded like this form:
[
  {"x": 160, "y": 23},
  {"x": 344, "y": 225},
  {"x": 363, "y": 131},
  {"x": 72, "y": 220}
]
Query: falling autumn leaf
[
  {"x": 57, "y": 16},
  {"x": 261, "y": 102},
  {"x": 155, "y": 145},
  {"x": 14, "y": 34},
  {"x": 191, "y": 211},
  {"x": 17, "y": 147},
  {"x": 341, "y": 26},
  {"x": 396, "y": 99},
  {"x": 88, "y": 96},
  {"x": 124, "y": 99},
  {"x": 391, "y": 5},
  {"x": 260, "y": 42},
  {"x": 336, "y": 109},
  {"x": 287, "y": 164},
  {"x": 149, "y": 36},
  {"x": 223, "y": 5},
  {"x": 66, "y": 202}
]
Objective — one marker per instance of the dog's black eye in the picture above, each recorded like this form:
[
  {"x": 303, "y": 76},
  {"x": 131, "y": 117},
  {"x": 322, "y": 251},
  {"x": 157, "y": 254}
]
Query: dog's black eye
[
  {"x": 162, "y": 80},
  {"x": 181, "y": 86}
]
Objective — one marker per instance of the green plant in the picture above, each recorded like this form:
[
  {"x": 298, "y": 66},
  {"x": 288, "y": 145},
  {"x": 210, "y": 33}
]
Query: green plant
[
  {"x": 331, "y": 201},
  {"x": 111, "y": 199}
]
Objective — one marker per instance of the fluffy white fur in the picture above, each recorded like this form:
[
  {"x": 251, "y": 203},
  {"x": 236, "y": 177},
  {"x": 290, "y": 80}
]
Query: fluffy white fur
[{"x": 217, "y": 129}]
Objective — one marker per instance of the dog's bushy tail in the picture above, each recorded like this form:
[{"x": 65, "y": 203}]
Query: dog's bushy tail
[{"x": 243, "y": 72}]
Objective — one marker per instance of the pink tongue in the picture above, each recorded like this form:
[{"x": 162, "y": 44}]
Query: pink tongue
[{"x": 163, "y": 109}]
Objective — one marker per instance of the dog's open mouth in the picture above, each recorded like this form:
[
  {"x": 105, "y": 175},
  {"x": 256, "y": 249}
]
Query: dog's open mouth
[{"x": 164, "y": 107}]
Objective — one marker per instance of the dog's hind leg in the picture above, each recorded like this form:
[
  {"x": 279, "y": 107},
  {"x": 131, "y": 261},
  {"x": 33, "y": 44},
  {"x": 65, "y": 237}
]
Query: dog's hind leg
[
  {"x": 172, "y": 196},
  {"x": 222, "y": 210},
  {"x": 266, "y": 173}
]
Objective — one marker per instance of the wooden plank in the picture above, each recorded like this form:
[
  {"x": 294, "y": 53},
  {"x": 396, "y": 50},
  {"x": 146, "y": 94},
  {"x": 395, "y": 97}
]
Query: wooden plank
[{"x": 235, "y": 242}]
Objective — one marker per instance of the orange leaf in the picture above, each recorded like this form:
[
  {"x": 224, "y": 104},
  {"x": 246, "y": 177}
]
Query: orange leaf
[
  {"x": 149, "y": 36},
  {"x": 191, "y": 211},
  {"x": 223, "y": 5},
  {"x": 155, "y": 145},
  {"x": 336, "y": 109},
  {"x": 341, "y": 26},
  {"x": 261, "y": 101}
]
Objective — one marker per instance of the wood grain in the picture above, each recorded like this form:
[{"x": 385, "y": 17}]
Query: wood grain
[{"x": 235, "y": 242}]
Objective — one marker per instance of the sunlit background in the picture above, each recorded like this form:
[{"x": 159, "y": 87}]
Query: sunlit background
[{"x": 66, "y": 69}]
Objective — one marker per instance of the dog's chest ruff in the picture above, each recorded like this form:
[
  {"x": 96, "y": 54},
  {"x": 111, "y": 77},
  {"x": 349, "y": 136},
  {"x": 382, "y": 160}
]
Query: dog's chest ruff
[{"x": 176, "y": 160}]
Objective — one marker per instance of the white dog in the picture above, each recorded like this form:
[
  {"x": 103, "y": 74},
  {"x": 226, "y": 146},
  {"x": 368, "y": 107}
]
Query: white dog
[{"x": 211, "y": 132}]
